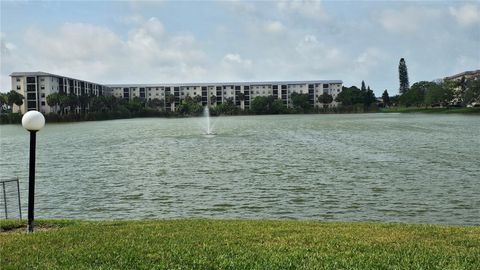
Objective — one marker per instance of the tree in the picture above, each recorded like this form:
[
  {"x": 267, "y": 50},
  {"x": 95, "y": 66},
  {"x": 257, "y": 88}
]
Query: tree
[
  {"x": 472, "y": 92},
  {"x": 416, "y": 94},
  {"x": 364, "y": 89},
  {"x": 241, "y": 96},
  {"x": 71, "y": 101},
  {"x": 213, "y": 99},
  {"x": 350, "y": 96},
  {"x": 53, "y": 100},
  {"x": 262, "y": 105},
  {"x": 301, "y": 102},
  {"x": 155, "y": 103},
  {"x": 278, "y": 107},
  {"x": 13, "y": 97},
  {"x": 403, "y": 76},
  {"x": 197, "y": 98},
  {"x": 369, "y": 97},
  {"x": 3, "y": 100},
  {"x": 83, "y": 101},
  {"x": 437, "y": 94},
  {"x": 386, "y": 98},
  {"x": 170, "y": 99},
  {"x": 325, "y": 99}
]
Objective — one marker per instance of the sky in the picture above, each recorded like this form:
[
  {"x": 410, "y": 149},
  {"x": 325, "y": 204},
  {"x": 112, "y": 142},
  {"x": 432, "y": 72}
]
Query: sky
[{"x": 113, "y": 42}]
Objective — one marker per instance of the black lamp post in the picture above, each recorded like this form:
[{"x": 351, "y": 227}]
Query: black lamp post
[{"x": 32, "y": 121}]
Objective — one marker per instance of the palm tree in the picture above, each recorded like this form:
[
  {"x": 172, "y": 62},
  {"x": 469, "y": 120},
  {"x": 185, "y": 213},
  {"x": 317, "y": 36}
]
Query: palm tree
[
  {"x": 213, "y": 99},
  {"x": 83, "y": 101},
  {"x": 3, "y": 100},
  {"x": 241, "y": 97},
  {"x": 13, "y": 97},
  {"x": 170, "y": 99},
  {"x": 53, "y": 100},
  {"x": 197, "y": 99},
  {"x": 72, "y": 102}
]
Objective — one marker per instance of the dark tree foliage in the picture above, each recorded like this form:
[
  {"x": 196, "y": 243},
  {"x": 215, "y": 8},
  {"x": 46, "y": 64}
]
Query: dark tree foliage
[
  {"x": 267, "y": 105},
  {"x": 416, "y": 94},
  {"x": 325, "y": 98},
  {"x": 438, "y": 94},
  {"x": 386, "y": 98},
  {"x": 300, "y": 102},
  {"x": 472, "y": 92},
  {"x": 363, "y": 86},
  {"x": 353, "y": 96},
  {"x": 13, "y": 97},
  {"x": 350, "y": 96},
  {"x": 403, "y": 77},
  {"x": 369, "y": 97}
]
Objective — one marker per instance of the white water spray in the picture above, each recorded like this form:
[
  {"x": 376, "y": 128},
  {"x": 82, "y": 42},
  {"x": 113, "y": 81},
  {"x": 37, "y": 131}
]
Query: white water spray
[{"x": 206, "y": 115}]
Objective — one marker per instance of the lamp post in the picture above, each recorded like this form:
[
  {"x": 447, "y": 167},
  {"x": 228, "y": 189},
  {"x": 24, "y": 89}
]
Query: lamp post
[{"x": 32, "y": 121}]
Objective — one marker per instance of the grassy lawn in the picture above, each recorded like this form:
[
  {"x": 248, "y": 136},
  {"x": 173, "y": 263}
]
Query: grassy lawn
[
  {"x": 237, "y": 244},
  {"x": 430, "y": 110}
]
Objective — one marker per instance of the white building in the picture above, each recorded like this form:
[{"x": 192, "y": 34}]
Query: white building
[
  {"x": 240, "y": 93},
  {"x": 36, "y": 86}
]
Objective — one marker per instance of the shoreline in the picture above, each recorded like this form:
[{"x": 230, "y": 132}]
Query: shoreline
[{"x": 14, "y": 118}]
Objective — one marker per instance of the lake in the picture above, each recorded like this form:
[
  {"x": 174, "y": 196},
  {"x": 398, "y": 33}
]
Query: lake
[{"x": 412, "y": 168}]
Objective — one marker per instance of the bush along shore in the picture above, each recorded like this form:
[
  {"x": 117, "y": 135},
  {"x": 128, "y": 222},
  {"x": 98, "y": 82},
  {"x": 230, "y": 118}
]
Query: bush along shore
[
  {"x": 237, "y": 244},
  {"x": 16, "y": 118}
]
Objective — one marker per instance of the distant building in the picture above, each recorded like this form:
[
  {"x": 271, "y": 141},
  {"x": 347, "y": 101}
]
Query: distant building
[
  {"x": 461, "y": 78},
  {"x": 240, "y": 93},
  {"x": 36, "y": 86},
  {"x": 467, "y": 74}
]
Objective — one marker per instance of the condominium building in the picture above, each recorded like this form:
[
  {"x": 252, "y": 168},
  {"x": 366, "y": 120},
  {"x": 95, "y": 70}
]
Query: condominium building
[
  {"x": 240, "y": 93},
  {"x": 36, "y": 86}
]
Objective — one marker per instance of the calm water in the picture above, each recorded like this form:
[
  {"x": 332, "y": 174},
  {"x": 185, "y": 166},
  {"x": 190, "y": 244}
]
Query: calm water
[{"x": 391, "y": 167}]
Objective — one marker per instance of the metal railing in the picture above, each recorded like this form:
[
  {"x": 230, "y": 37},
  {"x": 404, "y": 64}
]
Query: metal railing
[{"x": 4, "y": 183}]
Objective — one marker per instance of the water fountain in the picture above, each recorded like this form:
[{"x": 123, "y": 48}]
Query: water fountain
[{"x": 209, "y": 128}]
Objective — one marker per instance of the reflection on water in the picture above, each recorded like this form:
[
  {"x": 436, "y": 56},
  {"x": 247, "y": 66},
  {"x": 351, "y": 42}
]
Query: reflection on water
[{"x": 405, "y": 168}]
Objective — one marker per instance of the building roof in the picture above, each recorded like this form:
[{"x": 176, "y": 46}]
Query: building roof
[
  {"x": 225, "y": 83},
  {"x": 465, "y": 73},
  {"x": 40, "y": 73}
]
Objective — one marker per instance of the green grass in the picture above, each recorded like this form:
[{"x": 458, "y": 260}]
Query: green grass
[
  {"x": 430, "y": 110},
  {"x": 237, "y": 244}
]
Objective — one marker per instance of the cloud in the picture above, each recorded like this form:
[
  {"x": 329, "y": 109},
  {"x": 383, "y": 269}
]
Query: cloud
[
  {"x": 310, "y": 9},
  {"x": 96, "y": 53},
  {"x": 408, "y": 20},
  {"x": 466, "y": 15},
  {"x": 274, "y": 27},
  {"x": 73, "y": 41},
  {"x": 236, "y": 59}
]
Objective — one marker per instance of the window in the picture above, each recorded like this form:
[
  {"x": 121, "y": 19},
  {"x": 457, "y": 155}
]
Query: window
[
  {"x": 43, "y": 94},
  {"x": 42, "y": 87},
  {"x": 18, "y": 79},
  {"x": 18, "y": 87},
  {"x": 325, "y": 85},
  {"x": 30, "y": 79},
  {"x": 42, "y": 79},
  {"x": 43, "y": 103}
]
